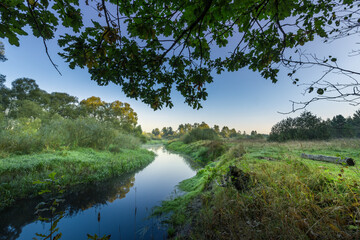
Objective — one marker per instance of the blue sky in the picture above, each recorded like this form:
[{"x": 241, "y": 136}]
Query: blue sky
[{"x": 242, "y": 100}]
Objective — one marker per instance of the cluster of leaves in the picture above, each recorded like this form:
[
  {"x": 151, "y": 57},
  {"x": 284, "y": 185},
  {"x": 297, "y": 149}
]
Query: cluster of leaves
[
  {"x": 309, "y": 127},
  {"x": 146, "y": 47}
]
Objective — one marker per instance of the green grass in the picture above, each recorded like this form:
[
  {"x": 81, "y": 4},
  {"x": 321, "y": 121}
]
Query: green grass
[
  {"x": 202, "y": 152},
  {"x": 288, "y": 197},
  {"x": 78, "y": 166}
]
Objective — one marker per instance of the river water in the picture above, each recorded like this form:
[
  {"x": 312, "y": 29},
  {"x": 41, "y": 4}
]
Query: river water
[{"x": 119, "y": 207}]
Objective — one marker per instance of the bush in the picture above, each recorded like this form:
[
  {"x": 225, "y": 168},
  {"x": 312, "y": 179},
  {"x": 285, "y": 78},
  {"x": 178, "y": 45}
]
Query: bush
[
  {"x": 214, "y": 150},
  {"x": 20, "y": 136},
  {"x": 237, "y": 151},
  {"x": 126, "y": 141},
  {"x": 200, "y": 134},
  {"x": 20, "y": 143},
  {"x": 305, "y": 127},
  {"x": 85, "y": 132},
  {"x": 25, "y": 136}
]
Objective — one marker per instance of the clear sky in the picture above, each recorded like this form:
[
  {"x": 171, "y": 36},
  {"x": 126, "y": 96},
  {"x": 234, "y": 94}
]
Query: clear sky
[{"x": 242, "y": 100}]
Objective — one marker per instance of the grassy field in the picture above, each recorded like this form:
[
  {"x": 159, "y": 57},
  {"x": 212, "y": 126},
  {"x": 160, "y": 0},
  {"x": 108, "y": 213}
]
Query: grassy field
[
  {"x": 77, "y": 166},
  {"x": 287, "y": 197}
]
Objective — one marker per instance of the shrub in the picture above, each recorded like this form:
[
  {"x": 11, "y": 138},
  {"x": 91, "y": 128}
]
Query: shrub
[
  {"x": 24, "y": 136},
  {"x": 200, "y": 134},
  {"x": 126, "y": 141},
  {"x": 214, "y": 150},
  {"x": 20, "y": 137},
  {"x": 237, "y": 151},
  {"x": 81, "y": 132}
]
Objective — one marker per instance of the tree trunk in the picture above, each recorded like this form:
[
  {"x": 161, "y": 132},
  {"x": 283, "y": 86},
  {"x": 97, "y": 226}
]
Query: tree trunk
[{"x": 347, "y": 161}]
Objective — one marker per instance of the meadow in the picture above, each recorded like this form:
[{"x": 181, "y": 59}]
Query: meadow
[{"x": 286, "y": 197}]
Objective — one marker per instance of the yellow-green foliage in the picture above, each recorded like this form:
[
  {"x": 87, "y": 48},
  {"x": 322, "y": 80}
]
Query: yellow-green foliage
[
  {"x": 17, "y": 173},
  {"x": 288, "y": 197}
]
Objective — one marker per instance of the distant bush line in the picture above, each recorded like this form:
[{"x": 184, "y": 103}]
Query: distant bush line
[{"x": 310, "y": 127}]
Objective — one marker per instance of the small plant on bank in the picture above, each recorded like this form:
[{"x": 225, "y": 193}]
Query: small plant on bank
[{"x": 52, "y": 190}]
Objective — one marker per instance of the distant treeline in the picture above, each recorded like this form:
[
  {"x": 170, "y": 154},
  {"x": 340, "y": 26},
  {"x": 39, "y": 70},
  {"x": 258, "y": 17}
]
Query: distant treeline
[
  {"x": 310, "y": 127},
  {"x": 32, "y": 119},
  {"x": 201, "y": 131}
]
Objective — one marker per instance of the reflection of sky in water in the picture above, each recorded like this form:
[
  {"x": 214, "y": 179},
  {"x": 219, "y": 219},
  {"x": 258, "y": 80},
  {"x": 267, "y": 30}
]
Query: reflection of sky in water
[{"x": 146, "y": 190}]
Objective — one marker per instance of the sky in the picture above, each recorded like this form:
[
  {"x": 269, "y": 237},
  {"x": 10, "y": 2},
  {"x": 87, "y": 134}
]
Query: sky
[{"x": 242, "y": 100}]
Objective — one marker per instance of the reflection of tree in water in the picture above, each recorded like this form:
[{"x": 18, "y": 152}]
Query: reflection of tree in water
[
  {"x": 80, "y": 198},
  {"x": 123, "y": 190}
]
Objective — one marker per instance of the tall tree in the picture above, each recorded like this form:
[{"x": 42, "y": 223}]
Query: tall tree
[
  {"x": 233, "y": 133},
  {"x": 147, "y": 46},
  {"x": 225, "y": 132},
  {"x": 204, "y": 125},
  {"x": 156, "y": 132},
  {"x": 181, "y": 129},
  {"x": 63, "y": 104},
  {"x": 24, "y": 89},
  {"x": 25, "y": 109},
  {"x": 305, "y": 127},
  {"x": 356, "y": 123},
  {"x": 341, "y": 127},
  {"x": 123, "y": 113},
  {"x": 216, "y": 129},
  {"x": 93, "y": 106}
]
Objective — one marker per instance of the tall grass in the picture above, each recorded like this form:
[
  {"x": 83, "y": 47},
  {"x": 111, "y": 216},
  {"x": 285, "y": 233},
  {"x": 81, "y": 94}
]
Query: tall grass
[
  {"x": 287, "y": 198},
  {"x": 26, "y": 136}
]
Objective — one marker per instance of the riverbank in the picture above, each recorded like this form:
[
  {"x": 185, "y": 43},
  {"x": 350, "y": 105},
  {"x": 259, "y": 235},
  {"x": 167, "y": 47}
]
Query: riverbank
[
  {"x": 285, "y": 197},
  {"x": 77, "y": 166}
]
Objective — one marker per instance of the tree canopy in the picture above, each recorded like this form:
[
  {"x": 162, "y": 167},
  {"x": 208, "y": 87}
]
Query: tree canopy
[{"x": 151, "y": 47}]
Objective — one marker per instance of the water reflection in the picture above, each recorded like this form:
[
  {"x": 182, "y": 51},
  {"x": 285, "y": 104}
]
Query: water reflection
[
  {"x": 124, "y": 203},
  {"x": 81, "y": 198}
]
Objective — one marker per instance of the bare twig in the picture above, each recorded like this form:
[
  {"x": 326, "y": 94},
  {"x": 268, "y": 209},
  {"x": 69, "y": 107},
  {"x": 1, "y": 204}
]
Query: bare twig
[{"x": 43, "y": 38}]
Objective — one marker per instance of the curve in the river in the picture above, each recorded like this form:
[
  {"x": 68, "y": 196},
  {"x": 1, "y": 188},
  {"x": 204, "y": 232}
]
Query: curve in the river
[{"x": 124, "y": 205}]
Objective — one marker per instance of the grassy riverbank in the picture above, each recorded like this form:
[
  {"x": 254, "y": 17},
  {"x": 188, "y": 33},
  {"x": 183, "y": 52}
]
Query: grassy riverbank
[
  {"x": 286, "y": 198},
  {"x": 77, "y": 166}
]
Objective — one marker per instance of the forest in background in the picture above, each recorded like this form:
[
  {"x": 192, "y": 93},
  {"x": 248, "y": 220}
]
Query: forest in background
[
  {"x": 32, "y": 119},
  {"x": 307, "y": 126}
]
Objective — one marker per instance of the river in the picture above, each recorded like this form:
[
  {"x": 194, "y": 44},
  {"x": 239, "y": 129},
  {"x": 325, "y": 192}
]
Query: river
[{"x": 119, "y": 207}]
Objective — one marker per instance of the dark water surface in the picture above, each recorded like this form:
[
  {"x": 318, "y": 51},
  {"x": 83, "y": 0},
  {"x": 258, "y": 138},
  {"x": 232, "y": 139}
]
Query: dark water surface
[{"x": 123, "y": 203}]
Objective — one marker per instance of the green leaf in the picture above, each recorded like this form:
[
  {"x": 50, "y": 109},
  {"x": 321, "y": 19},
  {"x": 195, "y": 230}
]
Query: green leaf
[
  {"x": 13, "y": 40},
  {"x": 44, "y": 191},
  {"x": 320, "y": 91},
  {"x": 52, "y": 175}
]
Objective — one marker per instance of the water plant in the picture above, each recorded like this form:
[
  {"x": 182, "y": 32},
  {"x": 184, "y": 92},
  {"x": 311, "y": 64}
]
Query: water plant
[{"x": 47, "y": 210}]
